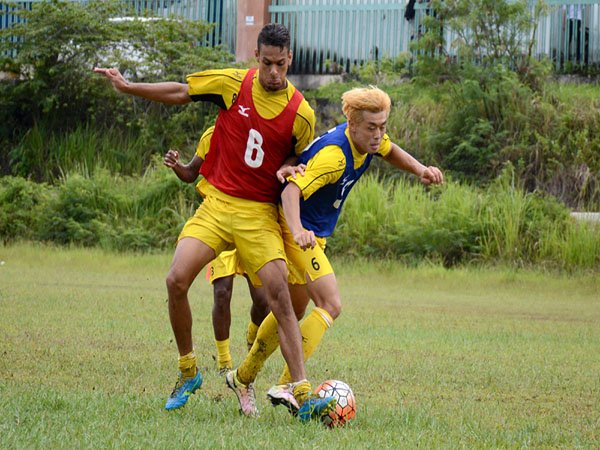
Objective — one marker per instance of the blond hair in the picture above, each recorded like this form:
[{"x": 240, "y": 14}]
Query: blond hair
[{"x": 357, "y": 100}]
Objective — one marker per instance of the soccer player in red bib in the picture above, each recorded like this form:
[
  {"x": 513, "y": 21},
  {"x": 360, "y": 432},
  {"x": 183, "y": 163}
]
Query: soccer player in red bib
[{"x": 263, "y": 121}]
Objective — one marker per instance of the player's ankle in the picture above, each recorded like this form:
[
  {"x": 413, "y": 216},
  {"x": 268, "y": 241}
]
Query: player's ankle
[{"x": 301, "y": 390}]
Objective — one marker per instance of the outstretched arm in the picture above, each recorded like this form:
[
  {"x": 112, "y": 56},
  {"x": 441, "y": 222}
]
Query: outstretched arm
[
  {"x": 168, "y": 92},
  {"x": 404, "y": 161},
  {"x": 188, "y": 172},
  {"x": 290, "y": 200}
]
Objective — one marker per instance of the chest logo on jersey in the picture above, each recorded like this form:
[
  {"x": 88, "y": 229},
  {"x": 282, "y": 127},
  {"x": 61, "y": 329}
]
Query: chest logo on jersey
[
  {"x": 346, "y": 183},
  {"x": 243, "y": 110}
]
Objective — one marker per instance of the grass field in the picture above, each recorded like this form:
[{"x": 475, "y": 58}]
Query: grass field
[{"x": 462, "y": 358}]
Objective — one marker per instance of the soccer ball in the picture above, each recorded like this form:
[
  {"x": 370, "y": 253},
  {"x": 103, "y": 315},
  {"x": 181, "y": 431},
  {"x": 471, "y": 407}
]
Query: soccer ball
[{"x": 345, "y": 409}]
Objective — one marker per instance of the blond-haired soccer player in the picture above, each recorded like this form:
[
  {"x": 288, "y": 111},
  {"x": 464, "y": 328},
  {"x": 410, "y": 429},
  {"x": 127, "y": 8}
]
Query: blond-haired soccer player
[
  {"x": 222, "y": 270},
  {"x": 263, "y": 119},
  {"x": 311, "y": 206}
]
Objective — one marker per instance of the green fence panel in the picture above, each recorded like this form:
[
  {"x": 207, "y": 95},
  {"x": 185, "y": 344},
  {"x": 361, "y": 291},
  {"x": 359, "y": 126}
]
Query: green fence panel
[
  {"x": 332, "y": 36},
  {"x": 222, "y": 13}
]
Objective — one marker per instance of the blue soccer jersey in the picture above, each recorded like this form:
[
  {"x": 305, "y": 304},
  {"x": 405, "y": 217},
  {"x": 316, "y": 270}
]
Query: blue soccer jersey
[{"x": 320, "y": 212}]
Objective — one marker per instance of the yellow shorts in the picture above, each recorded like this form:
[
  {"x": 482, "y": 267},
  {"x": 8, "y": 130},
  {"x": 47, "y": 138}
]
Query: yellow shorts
[
  {"x": 312, "y": 262},
  {"x": 223, "y": 223},
  {"x": 228, "y": 264},
  {"x": 224, "y": 265}
]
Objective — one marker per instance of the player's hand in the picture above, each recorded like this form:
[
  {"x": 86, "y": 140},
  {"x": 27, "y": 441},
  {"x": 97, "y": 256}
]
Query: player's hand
[
  {"x": 290, "y": 171},
  {"x": 432, "y": 175},
  {"x": 305, "y": 239},
  {"x": 114, "y": 76},
  {"x": 171, "y": 158}
]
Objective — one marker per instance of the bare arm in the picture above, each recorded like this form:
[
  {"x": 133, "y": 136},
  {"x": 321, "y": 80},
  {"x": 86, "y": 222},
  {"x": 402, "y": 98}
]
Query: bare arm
[
  {"x": 290, "y": 200},
  {"x": 404, "y": 161},
  {"x": 188, "y": 172},
  {"x": 168, "y": 92}
]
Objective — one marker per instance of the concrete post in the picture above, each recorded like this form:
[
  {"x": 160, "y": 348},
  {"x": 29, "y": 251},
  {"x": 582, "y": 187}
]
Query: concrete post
[{"x": 252, "y": 15}]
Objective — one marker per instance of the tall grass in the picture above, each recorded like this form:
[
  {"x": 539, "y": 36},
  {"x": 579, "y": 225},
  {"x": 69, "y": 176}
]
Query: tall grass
[
  {"x": 576, "y": 246},
  {"x": 110, "y": 211},
  {"x": 383, "y": 218},
  {"x": 505, "y": 219},
  {"x": 46, "y": 155},
  {"x": 456, "y": 223}
]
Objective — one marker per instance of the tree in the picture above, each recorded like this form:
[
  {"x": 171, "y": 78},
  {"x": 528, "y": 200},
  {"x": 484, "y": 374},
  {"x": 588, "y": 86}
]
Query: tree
[{"x": 59, "y": 42}]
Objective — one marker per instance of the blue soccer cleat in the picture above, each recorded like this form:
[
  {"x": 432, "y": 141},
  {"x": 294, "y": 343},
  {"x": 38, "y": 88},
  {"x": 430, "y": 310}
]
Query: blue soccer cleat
[
  {"x": 182, "y": 391},
  {"x": 316, "y": 408}
]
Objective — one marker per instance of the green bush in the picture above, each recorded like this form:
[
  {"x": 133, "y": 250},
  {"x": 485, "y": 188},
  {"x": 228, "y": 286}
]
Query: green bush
[
  {"x": 81, "y": 211},
  {"x": 21, "y": 202},
  {"x": 56, "y": 93},
  {"x": 400, "y": 219},
  {"x": 112, "y": 212}
]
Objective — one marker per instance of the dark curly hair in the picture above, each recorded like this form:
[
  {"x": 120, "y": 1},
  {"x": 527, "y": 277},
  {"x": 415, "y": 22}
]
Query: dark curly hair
[{"x": 275, "y": 35}]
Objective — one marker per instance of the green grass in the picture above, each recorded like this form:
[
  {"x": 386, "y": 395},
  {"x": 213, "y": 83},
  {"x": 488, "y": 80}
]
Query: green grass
[{"x": 461, "y": 358}]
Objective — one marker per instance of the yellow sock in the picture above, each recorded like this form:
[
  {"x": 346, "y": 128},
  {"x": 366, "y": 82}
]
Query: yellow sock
[
  {"x": 188, "y": 365},
  {"x": 223, "y": 354},
  {"x": 267, "y": 341},
  {"x": 302, "y": 390},
  {"x": 251, "y": 334},
  {"x": 313, "y": 329}
]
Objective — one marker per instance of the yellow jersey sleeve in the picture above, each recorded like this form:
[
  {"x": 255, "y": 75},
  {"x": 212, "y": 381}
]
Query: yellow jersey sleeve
[
  {"x": 220, "y": 87},
  {"x": 304, "y": 127},
  {"x": 204, "y": 143},
  {"x": 386, "y": 146},
  {"x": 325, "y": 167}
]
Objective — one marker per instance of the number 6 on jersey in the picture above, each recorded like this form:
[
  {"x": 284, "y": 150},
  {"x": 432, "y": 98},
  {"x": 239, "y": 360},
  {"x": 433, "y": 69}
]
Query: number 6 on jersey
[{"x": 254, "y": 153}]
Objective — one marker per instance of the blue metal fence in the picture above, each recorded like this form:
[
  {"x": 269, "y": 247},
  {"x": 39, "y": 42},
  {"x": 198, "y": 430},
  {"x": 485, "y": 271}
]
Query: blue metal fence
[{"x": 334, "y": 35}]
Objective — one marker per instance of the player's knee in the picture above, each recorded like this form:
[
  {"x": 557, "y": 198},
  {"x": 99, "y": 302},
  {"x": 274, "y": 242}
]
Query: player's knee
[
  {"x": 222, "y": 294},
  {"x": 176, "y": 284},
  {"x": 280, "y": 302},
  {"x": 333, "y": 306}
]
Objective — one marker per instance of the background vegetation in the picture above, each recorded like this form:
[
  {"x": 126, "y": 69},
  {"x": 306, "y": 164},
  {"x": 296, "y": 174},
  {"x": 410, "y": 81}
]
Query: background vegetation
[
  {"x": 81, "y": 163},
  {"x": 56, "y": 104},
  {"x": 450, "y": 224}
]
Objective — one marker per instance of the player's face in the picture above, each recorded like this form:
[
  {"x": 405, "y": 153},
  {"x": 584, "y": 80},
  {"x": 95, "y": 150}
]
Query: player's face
[
  {"x": 367, "y": 135},
  {"x": 273, "y": 63}
]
